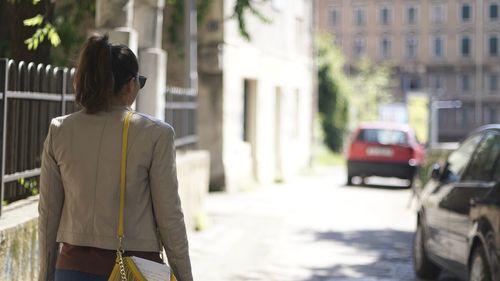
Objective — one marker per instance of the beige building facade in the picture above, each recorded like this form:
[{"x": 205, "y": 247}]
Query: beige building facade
[
  {"x": 448, "y": 49},
  {"x": 255, "y": 97}
]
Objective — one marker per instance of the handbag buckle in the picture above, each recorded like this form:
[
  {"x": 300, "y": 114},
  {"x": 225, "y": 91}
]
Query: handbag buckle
[{"x": 120, "y": 244}]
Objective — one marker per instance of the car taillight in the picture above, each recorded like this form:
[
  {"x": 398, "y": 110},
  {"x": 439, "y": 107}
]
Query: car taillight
[{"x": 412, "y": 161}]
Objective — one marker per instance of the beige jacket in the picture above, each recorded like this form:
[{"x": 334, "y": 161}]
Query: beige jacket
[{"x": 79, "y": 188}]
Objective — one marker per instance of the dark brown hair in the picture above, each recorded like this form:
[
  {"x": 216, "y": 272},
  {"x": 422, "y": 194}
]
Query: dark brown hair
[{"x": 102, "y": 71}]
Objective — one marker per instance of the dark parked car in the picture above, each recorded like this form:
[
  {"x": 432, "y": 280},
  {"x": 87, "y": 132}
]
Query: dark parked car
[
  {"x": 384, "y": 149},
  {"x": 458, "y": 226}
]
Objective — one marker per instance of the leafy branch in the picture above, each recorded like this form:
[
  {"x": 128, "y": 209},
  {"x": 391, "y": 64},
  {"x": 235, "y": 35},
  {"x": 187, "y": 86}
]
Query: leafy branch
[
  {"x": 240, "y": 8},
  {"x": 42, "y": 32},
  {"x": 239, "y": 13},
  {"x": 38, "y": 37}
]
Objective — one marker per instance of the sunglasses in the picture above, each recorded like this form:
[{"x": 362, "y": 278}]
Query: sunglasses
[{"x": 142, "y": 80}]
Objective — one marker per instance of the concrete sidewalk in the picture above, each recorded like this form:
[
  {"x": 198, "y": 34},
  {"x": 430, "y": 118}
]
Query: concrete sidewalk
[{"x": 311, "y": 229}]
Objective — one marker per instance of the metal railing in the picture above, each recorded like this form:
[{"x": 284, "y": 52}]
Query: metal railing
[
  {"x": 30, "y": 96},
  {"x": 180, "y": 111}
]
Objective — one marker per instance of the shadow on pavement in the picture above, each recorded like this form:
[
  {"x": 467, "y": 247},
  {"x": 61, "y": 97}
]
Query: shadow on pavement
[
  {"x": 379, "y": 183},
  {"x": 391, "y": 249},
  {"x": 378, "y": 186}
]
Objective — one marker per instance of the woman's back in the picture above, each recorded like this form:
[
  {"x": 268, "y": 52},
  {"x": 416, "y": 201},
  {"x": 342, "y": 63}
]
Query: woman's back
[
  {"x": 80, "y": 175},
  {"x": 87, "y": 148}
]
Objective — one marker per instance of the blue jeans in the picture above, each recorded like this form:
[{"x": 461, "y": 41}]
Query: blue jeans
[{"x": 72, "y": 275}]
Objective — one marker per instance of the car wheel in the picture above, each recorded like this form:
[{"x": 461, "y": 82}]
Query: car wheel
[
  {"x": 349, "y": 180},
  {"x": 410, "y": 183},
  {"x": 479, "y": 267},
  {"x": 424, "y": 267},
  {"x": 411, "y": 179},
  {"x": 363, "y": 181}
]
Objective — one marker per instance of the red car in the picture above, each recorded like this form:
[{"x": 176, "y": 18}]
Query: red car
[{"x": 385, "y": 150}]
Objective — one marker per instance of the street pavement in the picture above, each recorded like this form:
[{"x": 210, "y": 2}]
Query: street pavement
[{"x": 313, "y": 228}]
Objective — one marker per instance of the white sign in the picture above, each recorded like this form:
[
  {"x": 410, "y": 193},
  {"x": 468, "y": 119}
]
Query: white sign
[
  {"x": 279, "y": 4},
  {"x": 395, "y": 112}
]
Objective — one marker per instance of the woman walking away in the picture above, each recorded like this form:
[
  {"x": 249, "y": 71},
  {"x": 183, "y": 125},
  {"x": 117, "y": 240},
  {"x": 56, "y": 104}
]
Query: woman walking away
[{"x": 82, "y": 175}]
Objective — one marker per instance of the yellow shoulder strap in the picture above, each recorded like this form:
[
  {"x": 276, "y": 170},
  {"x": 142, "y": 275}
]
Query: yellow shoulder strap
[{"x": 123, "y": 169}]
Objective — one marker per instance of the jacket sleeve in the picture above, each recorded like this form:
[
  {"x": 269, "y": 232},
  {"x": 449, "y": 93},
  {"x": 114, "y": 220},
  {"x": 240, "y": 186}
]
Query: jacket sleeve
[
  {"x": 49, "y": 209},
  {"x": 167, "y": 205}
]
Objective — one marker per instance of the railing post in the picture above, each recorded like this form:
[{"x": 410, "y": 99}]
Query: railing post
[
  {"x": 63, "y": 93},
  {"x": 4, "y": 82}
]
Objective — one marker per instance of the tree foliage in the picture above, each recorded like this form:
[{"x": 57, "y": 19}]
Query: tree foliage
[
  {"x": 177, "y": 17},
  {"x": 371, "y": 88},
  {"x": 333, "y": 91},
  {"x": 72, "y": 20},
  {"x": 45, "y": 29},
  {"x": 345, "y": 100},
  {"x": 48, "y": 30},
  {"x": 61, "y": 24},
  {"x": 240, "y": 9}
]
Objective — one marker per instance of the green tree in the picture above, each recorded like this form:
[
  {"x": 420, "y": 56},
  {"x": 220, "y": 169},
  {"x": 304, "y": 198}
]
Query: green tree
[
  {"x": 240, "y": 8},
  {"x": 72, "y": 20},
  {"x": 333, "y": 90},
  {"x": 51, "y": 31},
  {"x": 18, "y": 22},
  {"x": 371, "y": 85},
  {"x": 345, "y": 100},
  {"x": 44, "y": 31}
]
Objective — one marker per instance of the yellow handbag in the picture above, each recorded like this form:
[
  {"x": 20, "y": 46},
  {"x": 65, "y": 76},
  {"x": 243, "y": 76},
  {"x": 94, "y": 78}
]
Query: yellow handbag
[{"x": 126, "y": 268}]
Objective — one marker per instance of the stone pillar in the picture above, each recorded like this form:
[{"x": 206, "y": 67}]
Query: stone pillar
[
  {"x": 148, "y": 21},
  {"x": 151, "y": 99},
  {"x": 115, "y": 18}
]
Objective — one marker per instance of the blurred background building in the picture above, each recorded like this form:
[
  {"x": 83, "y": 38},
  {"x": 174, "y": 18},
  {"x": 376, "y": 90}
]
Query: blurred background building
[
  {"x": 255, "y": 96},
  {"x": 446, "y": 49}
]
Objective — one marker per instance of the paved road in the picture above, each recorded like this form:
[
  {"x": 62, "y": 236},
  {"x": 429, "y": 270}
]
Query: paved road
[{"x": 311, "y": 229}]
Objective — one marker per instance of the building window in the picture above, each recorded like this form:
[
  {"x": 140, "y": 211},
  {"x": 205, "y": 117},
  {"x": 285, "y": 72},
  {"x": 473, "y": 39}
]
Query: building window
[
  {"x": 493, "y": 85},
  {"x": 465, "y": 83},
  {"x": 437, "y": 13},
  {"x": 443, "y": 118},
  {"x": 411, "y": 83},
  {"x": 493, "y": 11},
  {"x": 466, "y": 12},
  {"x": 334, "y": 17},
  {"x": 465, "y": 115},
  {"x": 493, "y": 116},
  {"x": 458, "y": 116},
  {"x": 385, "y": 48},
  {"x": 465, "y": 46},
  {"x": 493, "y": 46},
  {"x": 359, "y": 16},
  {"x": 411, "y": 47},
  {"x": 385, "y": 16},
  {"x": 359, "y": 46},
  {"x": 411, "y": 14},
  {"x": 438, "y": 47},
  {"x": 437, "y": 84}
]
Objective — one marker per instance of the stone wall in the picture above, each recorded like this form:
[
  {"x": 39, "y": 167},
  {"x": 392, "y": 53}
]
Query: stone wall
[
  {"x": 18, "y": 241},
  {"x": 19, "y": 231},
  {"x": 193, "y": 174},
  {"x": 18, "y": 252}
]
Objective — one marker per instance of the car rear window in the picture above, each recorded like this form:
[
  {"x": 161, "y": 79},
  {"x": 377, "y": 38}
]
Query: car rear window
[{"x": 383, "y": 136}]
